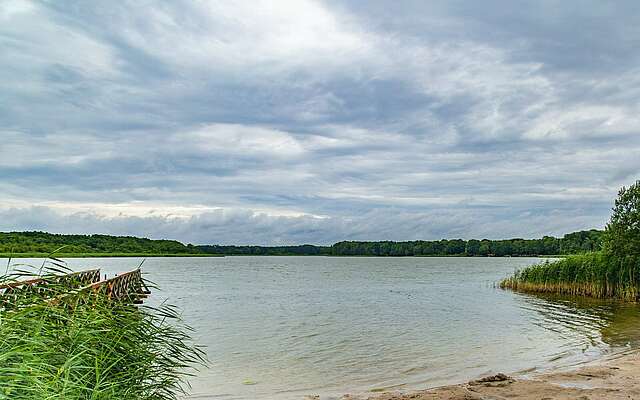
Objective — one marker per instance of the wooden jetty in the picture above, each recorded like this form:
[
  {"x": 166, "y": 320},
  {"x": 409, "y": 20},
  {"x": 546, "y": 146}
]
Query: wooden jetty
[
  {"x": 47, "y": 287},
  {"x": 79, "y": 279},
  {"x": 128, "y": 287}
]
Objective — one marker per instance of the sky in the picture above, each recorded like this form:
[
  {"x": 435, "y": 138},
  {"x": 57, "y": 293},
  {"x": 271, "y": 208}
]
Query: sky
[{"x": 290, "y": 122}]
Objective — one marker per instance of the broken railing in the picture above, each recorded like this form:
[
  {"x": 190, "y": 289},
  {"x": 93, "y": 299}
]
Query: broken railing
[{"x": 126, "y": 287}]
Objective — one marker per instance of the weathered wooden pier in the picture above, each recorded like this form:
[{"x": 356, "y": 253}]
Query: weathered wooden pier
[{"x": 127, "y": 287}]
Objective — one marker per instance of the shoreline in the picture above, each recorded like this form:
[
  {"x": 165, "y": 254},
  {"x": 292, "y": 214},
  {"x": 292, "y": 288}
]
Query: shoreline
[
  {"x": 614, "y": 377},
  {"x": 190, "y": 255},
  {"x": 105, "y": 255}
]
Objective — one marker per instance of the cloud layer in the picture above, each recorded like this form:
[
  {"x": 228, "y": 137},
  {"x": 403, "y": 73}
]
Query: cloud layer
[{"x": 312, "y": 122}]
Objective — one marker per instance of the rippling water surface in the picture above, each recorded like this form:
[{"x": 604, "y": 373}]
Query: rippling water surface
[{"x": 294, "y": 326}]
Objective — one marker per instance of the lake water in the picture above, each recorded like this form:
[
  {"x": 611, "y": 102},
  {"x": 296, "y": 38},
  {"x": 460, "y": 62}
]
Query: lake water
[{"x": 295, "y": 326}]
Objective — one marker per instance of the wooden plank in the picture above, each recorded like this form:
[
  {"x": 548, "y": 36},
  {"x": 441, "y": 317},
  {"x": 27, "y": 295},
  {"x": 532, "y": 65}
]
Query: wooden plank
[
  {"x": 129, "y": 285},
  {"x": 31, "y": 282},
  {"x": 126, "y": 286}
]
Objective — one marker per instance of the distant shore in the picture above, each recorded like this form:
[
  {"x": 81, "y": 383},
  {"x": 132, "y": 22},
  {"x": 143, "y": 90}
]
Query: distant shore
[
  {"x": 190, "y": 255},
  {"x": 101, "y": 255},
  {"x": 35, "y": 243},
  {"x": 613, "y": 378}
]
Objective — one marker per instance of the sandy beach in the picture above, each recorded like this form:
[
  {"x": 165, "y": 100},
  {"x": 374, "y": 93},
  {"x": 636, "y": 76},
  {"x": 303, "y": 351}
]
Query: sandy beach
[{"x": 615, "y": 378}]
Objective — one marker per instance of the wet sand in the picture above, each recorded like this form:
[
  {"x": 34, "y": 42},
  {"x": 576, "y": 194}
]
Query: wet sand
[{"x": 612, "y": 379}]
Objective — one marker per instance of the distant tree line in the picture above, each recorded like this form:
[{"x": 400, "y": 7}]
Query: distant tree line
[
  {"x": 572, "y": 243},
  {"x": 301, "y": 250},
  {"x": 42, "y": 242}
]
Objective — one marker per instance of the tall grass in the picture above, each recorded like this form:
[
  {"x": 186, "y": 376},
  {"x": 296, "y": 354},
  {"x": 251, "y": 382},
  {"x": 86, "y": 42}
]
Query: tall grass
[
  {"x": 60, "y": 342},
  {"x": 594, "y": 274}
]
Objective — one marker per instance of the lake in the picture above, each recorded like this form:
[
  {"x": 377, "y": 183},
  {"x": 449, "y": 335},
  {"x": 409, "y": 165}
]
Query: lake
[{"x": 285, "y": 327}]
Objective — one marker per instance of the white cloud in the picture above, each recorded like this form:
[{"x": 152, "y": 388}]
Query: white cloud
[
  {"x": 44, "y": 42},
  {"x": 263, "y": 36},
  {"x": 21, "y": 149},
  {"x": 240, "y": 140},
  {"x": 585, "y": 121}
]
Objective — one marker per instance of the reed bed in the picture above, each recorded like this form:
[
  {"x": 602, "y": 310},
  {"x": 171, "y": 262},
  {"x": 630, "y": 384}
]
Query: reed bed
[
  {"x": 62, "y": 343},
  {"x": 593, "y": 274}
]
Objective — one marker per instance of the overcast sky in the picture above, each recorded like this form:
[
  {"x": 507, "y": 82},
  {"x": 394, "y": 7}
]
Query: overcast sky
[{"x": 286, "y": 122}]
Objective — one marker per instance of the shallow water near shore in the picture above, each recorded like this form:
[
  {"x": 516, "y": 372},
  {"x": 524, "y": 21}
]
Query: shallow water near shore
[{"x": 285, "y": 327}]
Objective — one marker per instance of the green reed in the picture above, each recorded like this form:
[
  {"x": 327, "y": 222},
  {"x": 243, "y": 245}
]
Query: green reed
[
  {"x": 60, "y": 342},
  {"x": 593, "y": 274}
]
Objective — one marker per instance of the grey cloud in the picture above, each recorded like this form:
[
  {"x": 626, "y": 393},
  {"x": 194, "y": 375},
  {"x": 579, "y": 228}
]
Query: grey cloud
[
  {"x": 430, "y": 118},
  {"x": 247, "y": 227}
]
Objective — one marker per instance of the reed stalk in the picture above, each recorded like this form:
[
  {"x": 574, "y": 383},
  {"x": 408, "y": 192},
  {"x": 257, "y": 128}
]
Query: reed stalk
[
  {"x": 597, "y": 275},
  {"x": 90, "y": 347}
]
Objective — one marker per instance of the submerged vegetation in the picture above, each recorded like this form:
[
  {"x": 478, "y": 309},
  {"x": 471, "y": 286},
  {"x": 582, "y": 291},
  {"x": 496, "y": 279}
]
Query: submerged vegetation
[
  {"x": 613, "y": 272},
  {"x": 60, "y": 341}
]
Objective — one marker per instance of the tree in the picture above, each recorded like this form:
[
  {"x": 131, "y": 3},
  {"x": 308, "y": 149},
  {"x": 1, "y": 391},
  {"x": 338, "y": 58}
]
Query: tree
[
  {"x": 485, "y": 247},
  {"x": 473, "y": 247},
  {"x": 622, "y": 234}
]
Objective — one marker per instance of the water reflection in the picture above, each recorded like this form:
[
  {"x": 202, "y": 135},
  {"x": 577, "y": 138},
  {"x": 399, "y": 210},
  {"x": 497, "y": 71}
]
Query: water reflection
[{"x": 605, "y": 325}]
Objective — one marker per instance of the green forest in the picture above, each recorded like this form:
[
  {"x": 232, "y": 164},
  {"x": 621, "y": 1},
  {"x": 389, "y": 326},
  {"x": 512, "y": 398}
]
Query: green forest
[
  {"x": 42, "y": 243},
  {"x": 38, "y": 243},
  {"x": 572, "y": 243}
]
